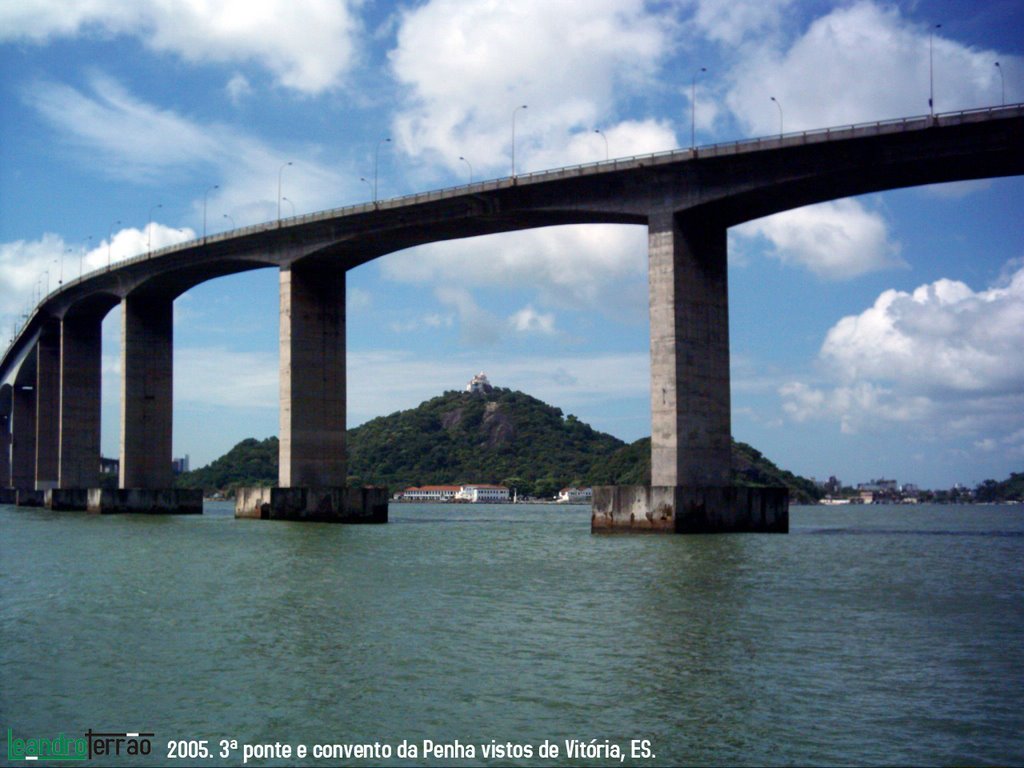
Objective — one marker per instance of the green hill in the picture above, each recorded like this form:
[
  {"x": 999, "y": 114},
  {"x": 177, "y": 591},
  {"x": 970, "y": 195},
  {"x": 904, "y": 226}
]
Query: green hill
[{"x": 501, "y": 436}]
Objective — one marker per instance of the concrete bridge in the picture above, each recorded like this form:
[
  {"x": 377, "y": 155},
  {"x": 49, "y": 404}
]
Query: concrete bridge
[{"x": 50, "y": 375}]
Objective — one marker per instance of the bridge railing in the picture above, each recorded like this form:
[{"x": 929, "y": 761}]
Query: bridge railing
[{"x": 795, "y": 138}]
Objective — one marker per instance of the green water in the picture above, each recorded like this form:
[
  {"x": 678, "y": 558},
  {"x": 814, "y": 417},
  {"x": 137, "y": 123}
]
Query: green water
[{"x": 871, "y": 635}]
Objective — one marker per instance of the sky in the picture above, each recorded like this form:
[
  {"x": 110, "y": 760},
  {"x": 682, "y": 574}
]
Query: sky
[{"x": 877, "y": 336}]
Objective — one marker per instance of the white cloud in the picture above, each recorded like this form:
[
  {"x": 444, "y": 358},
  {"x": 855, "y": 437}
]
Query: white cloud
[
  {"x": 944, "y": 358},
  {"x": 467, "y": 65},
  {"x": 307, "y": 46},
  {"x": 238, "y": 88},
  {"x": 836, "y": 240},
  {"x": 813, "y": 82},
  {"x": 529, "y": 320},
  {"x": 600, "y": 267},
  {"x": 132, "y": 140},
  {"x": 732, "y": 22}
]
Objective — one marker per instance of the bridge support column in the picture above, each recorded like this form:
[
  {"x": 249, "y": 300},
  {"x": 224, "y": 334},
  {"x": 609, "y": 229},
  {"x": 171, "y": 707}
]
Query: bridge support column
[
  {"x": 147, "y": 352},
  {"x": 47, "y": 462},
  {"x": 23, "y": 437},
  {"x": 691, "y": 451},
  {"x": 312, "y": 462},
  {"x": 312, "y": 439},
  {"x": 80, "y": 382},
  {"x": 5, "y": 450}
]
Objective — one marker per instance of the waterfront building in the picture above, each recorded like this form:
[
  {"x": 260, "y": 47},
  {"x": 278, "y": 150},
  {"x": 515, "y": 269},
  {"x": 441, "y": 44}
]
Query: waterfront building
[
  {"x": 431, "y": 493},
  {"x": 483, "y": 494},
  {"x": 575, "y": 495}
]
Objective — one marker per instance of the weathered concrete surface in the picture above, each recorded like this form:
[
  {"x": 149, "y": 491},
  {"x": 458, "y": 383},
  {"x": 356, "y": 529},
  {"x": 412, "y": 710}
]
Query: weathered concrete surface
[
  {"x": 23, "y": 438},
  {"x": 80, "y": 378},
  {"x": 366, "y": 504},
  {"x": 689, "y": 311},
  {"x": 689, "y": 509},
  {"x": 163, "y": 501},
  {"x": 67, "y": 499},
  {"x": 253, "y": 502},
  {"x": 47, "y": 460},
  {"x": 313, "y": 386},
  {"x": 147, "y": 358}
]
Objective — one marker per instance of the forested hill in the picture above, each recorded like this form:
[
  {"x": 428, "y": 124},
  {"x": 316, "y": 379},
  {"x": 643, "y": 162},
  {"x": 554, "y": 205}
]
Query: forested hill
[{"x": 501, "y": 436}]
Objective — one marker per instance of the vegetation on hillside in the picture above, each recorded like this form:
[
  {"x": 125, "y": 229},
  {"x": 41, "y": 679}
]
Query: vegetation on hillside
[{"x": 502, "y": 436}]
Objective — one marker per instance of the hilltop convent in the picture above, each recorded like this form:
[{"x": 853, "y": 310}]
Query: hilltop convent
[{"x": 479, "y": 384}]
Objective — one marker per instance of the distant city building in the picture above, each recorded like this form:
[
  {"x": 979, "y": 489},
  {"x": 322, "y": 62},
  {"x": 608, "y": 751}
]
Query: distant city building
[
  {"x": 575, "y": 495},
  {"x": 180, "y": 465},
  {"x": 109, "y": 466},
  {"x": 483, "y": 494},
  {"x": 479, "y": 384},
  {"x": 879, "y": 486}
]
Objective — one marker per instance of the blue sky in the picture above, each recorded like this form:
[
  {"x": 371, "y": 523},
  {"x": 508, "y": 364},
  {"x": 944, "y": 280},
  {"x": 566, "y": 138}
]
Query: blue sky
[{"x": 880, "y": 335}]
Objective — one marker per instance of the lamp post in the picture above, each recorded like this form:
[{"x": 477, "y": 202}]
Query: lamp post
[
  {"x": 366, "y": 181},
  {"x": 931, "y": 71},
  {"x": 279, "y": 172},
  {"x": 1002, "y": 86},
  {"x": 780, "y": 114},
  {"x": 231, "y": 220},
  {"x": 110, "y": 239},
  {"x": 66, "y": 250},
  {"x": 292, "y": 204},
  {"x": 217, "y": 186},
  {"x": 470, "y": 165},
  {"x": 522, "y": 106},
  {"x": 149, "y": 228},
  {"x": 376, "y": 162},
  {"x": 693, "y": 108},
  {"x": 598, "y": 130}
]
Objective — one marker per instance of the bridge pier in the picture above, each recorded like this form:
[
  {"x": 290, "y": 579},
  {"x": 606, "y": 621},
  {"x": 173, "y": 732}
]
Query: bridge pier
[
  {"x": 80, "y": 399},
  {"x": 312, "y": 463},
  {"x": 147, "y": 357},
  {"x": 691, "y": 447},
  {"x": 48, "y": 370},
  {"x": 23, "y": 436}
]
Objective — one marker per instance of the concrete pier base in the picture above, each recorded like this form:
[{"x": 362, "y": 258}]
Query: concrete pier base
[
  {"x": 689, "y": 509},
  {"x": 368, "y": 504},
  {"x": 163, "y": 501},
  {"x": 67, "y": 499},
  {"x": 8, "y": 496},
  {"x": 29, "y": 497}
]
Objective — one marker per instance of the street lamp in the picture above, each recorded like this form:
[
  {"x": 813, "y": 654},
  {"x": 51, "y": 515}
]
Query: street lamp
[
  {"x": 470, "y": 168},
  {"x": 522, "y": 106},
  {"x": 780, "y": 114},
  {"x": 66, "y": 250},
  {"x": 693, "y": 108},
  {"x": 931, "y": 71},
  {"x": 367, "y": 182},
  {"x": 217, "y": 186},
  {"x": 110, "y": 239},
  {"x": 376, "y": 162},
  {"x": 598, "y": 130},
  {"x": 285, "y": 199},
  {"x": 231, "y": 220},
  {"x": 1002, "y": 86},
  {"x": 149, "y": 228},
  {"x": 280, "y": 171}
]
